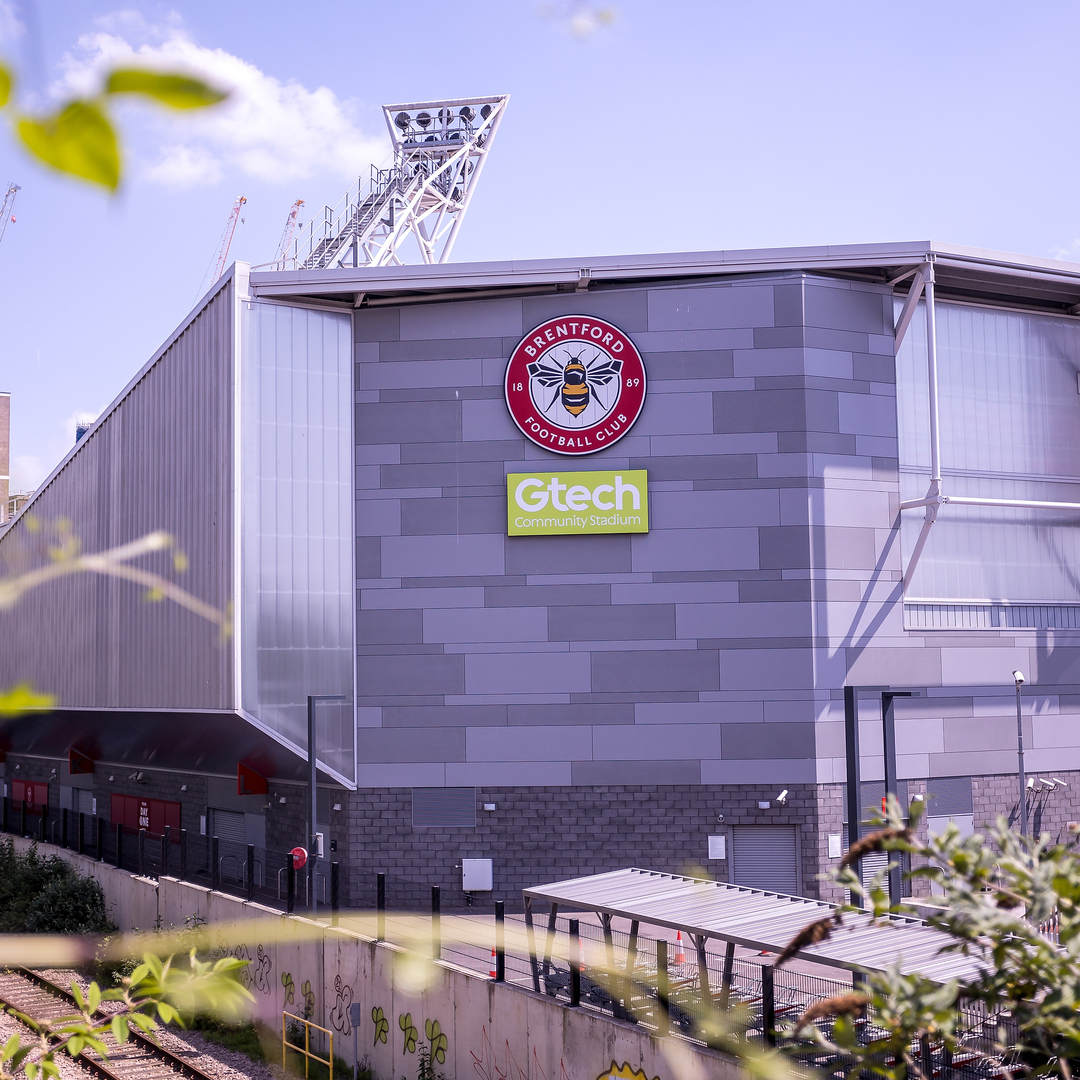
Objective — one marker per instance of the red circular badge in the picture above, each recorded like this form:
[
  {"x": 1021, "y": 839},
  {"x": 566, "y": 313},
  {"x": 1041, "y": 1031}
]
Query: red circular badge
[
  {"x": 575, "y": 384},
  {"x": 299, "y": 855}
]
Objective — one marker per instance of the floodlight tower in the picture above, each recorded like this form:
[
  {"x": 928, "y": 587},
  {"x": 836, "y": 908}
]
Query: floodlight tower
[
  {"x": 9, "y": 205},
  {"x": 439, "y": 152}
]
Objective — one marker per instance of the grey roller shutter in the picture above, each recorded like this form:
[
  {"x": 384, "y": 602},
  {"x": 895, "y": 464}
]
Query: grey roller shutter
[
  {"x": 765, "y": 857},
  {"x": 86, "y": 802},
  {"x": 228, "y": 827}
]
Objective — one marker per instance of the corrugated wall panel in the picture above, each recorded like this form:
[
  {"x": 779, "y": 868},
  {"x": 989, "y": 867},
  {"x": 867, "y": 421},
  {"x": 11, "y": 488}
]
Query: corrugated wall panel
[{"x": 161, "y": 459}]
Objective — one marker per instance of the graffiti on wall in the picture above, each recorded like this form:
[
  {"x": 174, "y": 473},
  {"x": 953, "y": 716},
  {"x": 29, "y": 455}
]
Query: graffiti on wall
[
  {"x": 263, "y": 968},
  {"x": 290, "y": 987},
  {"x": 487, "y": 1067},
  {"x": 625, "y": 1071},
  {"x": 339, "y": 1014},
  {"x": 436, "y": 1038},
  {"x": 382, "y": 1025},
  {"x": 408, "y": 1033},
  {"x": 309, "y": 999}
]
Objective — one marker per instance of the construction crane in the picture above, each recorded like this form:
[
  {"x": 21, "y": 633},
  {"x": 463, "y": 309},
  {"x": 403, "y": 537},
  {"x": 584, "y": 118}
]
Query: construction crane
[
  {"x": 287, "y": 235},
  {"x": 9, "y": 205},
  {"x": 222, "y": 257}
]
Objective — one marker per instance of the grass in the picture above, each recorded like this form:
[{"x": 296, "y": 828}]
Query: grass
[{"x": 245, "y": 1038}]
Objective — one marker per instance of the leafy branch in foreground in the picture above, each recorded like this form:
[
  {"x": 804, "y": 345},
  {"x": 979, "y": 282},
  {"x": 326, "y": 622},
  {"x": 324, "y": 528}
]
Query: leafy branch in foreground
[
  {"x": 79, "y": 138},
  {"x": 156, "y": 992},
  {"x": 1019, "y": 1014}
]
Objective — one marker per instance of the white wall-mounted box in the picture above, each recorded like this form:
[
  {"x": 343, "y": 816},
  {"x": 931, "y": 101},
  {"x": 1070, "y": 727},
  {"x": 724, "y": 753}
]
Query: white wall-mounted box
[
  {"x": 476, "y": 875},
  {"x": 718, "y": 846}
]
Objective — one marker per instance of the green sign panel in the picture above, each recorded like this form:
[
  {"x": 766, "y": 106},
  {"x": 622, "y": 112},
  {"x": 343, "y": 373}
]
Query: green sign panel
[{"x": 577, "y": 503}]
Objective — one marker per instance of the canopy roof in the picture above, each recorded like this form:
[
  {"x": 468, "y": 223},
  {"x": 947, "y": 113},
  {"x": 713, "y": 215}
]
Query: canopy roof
[{"x": 761, "y": 921}]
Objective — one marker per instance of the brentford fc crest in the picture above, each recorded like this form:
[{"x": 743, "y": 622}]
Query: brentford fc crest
[{"x": 575, "y": 384}]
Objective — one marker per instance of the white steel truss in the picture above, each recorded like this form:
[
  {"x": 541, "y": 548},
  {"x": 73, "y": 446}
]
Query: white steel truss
[
  {"x": 419, "y": 202},
  {"x": 922, "y": 286}
]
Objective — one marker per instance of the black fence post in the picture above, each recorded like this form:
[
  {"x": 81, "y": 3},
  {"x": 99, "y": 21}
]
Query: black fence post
[
  {"x": 22, "y": 819},
  {"x": 80, "y": 841},
  {"x": 380, "y": 907},
  {"x": 663, "y": 990},
  {"x": 575, "y": 965},
  {"x": 335, "y": 892},
  {"x": 43, "y": 834},
  {"x": 141, "y": 852},
  {"x": 64, "y": 827},
  {"x": 215, "y": 867},
  {"x": 183, "y": 854},
  {"x": 166, "y": 850},
  {"x": 5, "y": 822},
  {"x": 768, "y": 1005},
  {"x": 99, "y": 839},
  {"x": 250, "y": 872},
  {"x": 500, "y": 941},
  {"x": 290, "y": 901},
  {"x": 119, "y": 846},
  {"x": 436, "y": 929}
]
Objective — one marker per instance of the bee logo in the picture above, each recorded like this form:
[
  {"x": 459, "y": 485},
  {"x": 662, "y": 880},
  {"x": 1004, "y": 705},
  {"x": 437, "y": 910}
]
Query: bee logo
[
  {"x": 574, "y": 381},
  {"x": 575, "y": 384}
]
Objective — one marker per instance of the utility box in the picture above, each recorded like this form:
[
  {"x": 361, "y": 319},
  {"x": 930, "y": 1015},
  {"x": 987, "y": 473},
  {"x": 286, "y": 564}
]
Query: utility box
[{"x": 476, "y": 875}]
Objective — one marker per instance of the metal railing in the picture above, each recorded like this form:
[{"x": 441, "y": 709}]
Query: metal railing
[{"x": 309, "y": 1054}]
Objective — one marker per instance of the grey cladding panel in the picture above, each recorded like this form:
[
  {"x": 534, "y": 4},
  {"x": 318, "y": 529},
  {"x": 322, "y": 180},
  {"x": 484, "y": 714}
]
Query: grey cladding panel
[
  {"x": 675, "y": 669},
  {"x": 408, "y": 421},
  {"x": 160, "y": 460},
  {"x": 627, "y": 308},
  {"x": 624, "y": 622},
  {"x": 567, "y": 554},
  {"x": 947, "y": 796}
]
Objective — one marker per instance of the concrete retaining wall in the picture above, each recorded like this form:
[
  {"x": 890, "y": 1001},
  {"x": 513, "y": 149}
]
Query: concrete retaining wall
[{"x": 490, "y": 1031}]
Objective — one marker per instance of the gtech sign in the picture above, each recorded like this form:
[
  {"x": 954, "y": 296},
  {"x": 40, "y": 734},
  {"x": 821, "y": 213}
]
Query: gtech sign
[
  {"x": 575, "y": 384},
  {"x": 546, "y": 504}
]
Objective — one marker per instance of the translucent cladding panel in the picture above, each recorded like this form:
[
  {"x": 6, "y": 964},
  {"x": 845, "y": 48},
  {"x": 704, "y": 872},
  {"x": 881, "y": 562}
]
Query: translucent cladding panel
[
  {"x": 1010, "y": 429},
  {"x": 296, "y": 634}
]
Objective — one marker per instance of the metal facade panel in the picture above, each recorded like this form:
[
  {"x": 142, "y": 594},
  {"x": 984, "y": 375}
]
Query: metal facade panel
[{"x": 161, "y": 459}]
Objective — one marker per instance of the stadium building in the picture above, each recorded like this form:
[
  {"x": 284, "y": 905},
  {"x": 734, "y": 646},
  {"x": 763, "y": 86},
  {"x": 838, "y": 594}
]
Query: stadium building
[{"x": 592, "y": 549}]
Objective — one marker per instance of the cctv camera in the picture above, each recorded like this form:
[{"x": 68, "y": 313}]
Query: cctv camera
[
  {"x": 782, "y": 797},
  {"x": 720, "y": 818},
  {"x": 1018, "y": 678}
]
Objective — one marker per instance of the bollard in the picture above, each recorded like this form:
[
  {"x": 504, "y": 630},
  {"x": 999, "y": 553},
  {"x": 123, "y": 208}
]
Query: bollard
[
  {"x": 663, "y": 990},
  {"x": 575, "y": 965},
  {"x": 119, "y": 846},
  {"x": 436, "y": 935},
  {"x": 768, "y": 1005},
  {"x": 291, "y": 877},
  {"x": 250, "y": 872},
  {"x": 43, "y": 835},
  {"x": 215, "y": 866},
  {"x": 80, "y": 844},
  {"x": 500, "y": 941},
  {"x": 183, "y": 854},
  {"x": 6, "y": 825},
  {"x": 380, "y": 907},
  {"x": 140, "y": 852},
  {"x": 99, "y": 839},
  {"x": 335, "y": 892},
  {"x": 166, "y": 850},
  {"x": 64, "y": 827}
]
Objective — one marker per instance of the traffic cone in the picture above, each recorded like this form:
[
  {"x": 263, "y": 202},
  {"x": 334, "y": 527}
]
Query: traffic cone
[
  {"x": 492, "y": 971},
  {"x": 680, "y": 955}
]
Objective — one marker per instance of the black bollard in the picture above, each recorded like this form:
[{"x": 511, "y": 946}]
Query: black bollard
[
  {"x": 99, "y": 839},
  {"x": 436, "y": 928},
  {"x": 43, "y": 835},
  {"x": 575, "y": 965},
  {"x": 663, "y": 990},
  {"x": 500, "y": 941},
  {"x": 183, "y": 854},
  {"x": 64, "y": 827},
  {"x": 119, "y": 846},
  {"x": 291, "y": 878},
  {"x": 380, "y": 907},
  {"x": 80, "y": 843},
  {"x": 768, "y": 1005},
  {"x": 335, "y": 892},
  {"x": 250, "y": 872},
  {"x": 215, "y": 866},
  {"x": 166, "y": 850}
]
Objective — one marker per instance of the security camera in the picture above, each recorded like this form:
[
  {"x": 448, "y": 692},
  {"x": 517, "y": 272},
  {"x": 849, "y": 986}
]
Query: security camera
[
  {"x": 1018, "y": 678},
  {"x": 782, "y": 797},
  {"x": 720, "y": 818},
  {"x": 1058, "y": 780}
]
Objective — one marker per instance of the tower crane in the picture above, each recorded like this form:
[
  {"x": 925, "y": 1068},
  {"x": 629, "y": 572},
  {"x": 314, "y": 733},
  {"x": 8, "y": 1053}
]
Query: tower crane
[
  {"x": 221, "y": 259},
  {"x": 287, "y": 235},
  {"x": 9, "y": 205}
]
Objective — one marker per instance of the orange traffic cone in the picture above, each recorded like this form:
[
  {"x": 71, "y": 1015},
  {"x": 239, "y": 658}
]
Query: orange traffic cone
[
  {"x": 492, "y": 971},
  {"x": 680, "y": 955}
]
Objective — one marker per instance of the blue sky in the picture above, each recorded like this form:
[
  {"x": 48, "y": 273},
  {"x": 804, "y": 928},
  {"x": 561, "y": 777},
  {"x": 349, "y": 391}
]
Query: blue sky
[{"x": 681, "y": 125}]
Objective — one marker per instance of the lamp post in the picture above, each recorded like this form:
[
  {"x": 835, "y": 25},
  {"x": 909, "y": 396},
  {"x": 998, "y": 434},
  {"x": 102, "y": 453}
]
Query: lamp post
[
  {"x": 1018, "y": 678},
  {"x": 312, "y": 804}
]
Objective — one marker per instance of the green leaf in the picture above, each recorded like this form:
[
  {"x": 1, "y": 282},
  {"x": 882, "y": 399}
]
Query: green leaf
[
  {"x": 119, "y": 1029},
  {"x": 5, "y": 85},
  {"x": 177, "y": 91},
  {"x": 10, "y": 1047},
  {"x": 76, "y": 992},
  {"x": 23, "y": 699},
  {"x": 74, "y": 1046},
  {"x": 93, "y": 997},
  {"x": 78, "y": 140}
]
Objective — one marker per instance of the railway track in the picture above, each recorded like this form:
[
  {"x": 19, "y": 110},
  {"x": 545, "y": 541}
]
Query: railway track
[{"x": 140, "y": 1058}]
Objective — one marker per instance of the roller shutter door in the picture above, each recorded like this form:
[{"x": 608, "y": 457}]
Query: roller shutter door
[
  {"x": 765, "y": 857},
  {"x": 228, "y": 827}
]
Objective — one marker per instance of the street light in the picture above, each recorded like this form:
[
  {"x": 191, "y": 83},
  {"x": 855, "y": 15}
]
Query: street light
[{"x": 1018, "y": 678}]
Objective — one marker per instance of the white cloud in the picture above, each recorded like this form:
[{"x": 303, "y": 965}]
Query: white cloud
[
  {"x": 27, "y": 472},
  {"x": 268, "y": 130},
  {"x": 11, "y": 28}
]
